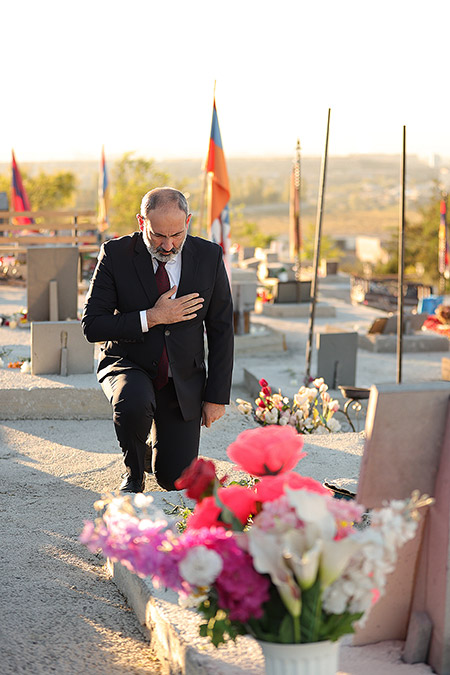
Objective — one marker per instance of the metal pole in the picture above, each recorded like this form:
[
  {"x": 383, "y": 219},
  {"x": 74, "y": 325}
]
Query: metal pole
[
  {"x": 298, "y": 229},
  {"x": 442, "y": 243},
  {"x": 401, "y": 264},
  {"x": 320, "y": 206}
]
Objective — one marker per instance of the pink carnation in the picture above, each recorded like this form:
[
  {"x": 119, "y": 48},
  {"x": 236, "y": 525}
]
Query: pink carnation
[
  {"x": 267, "y": 451},
  {"x": 272, "y": 487}
]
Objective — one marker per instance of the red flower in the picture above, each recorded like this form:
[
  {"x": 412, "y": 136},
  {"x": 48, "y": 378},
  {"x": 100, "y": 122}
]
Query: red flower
[
  {"x": 205, "y": 514},
  {"x": 198, "y": 479},
  {"x": 263, "y": 382},
  {"x": 266, "y": 391},
  {"x": 267, "y": 451},
  {"x": 239, "y": 500},
  {"x": 272, "y": 487}
]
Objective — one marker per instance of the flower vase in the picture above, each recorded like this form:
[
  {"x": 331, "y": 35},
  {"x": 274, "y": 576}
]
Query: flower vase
[{"x": 308, "y": 658}]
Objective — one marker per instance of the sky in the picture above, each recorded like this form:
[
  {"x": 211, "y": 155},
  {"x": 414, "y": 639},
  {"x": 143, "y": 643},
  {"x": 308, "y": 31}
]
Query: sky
[{"x": 139, "y": 76}]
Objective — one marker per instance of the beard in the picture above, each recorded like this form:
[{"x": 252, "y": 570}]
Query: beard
[{"x": 159, "y": 252}]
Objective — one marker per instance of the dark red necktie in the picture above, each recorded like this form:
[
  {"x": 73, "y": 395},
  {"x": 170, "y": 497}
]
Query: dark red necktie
[{"x": 163, "y": 284}]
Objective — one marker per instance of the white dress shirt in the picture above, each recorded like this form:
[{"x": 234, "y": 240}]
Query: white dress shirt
[{"x": 173, "y": 269}]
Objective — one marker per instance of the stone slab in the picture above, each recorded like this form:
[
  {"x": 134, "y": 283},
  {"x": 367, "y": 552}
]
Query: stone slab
[
  {"x": 44, "y": 264},
  {"x": 55, "y": 403},
  {"x": 267, "y": 342},
  {"x": 297, "y": 310},
  {"x": 50, "y": 338},
  {"x": 411, "y": 343},
  {"x": 432, "y": 587},
  {"x": 445, "y": 369},
  {"x": 418, "y": 638},
  {"x": 400, "y": 457},
  {"x": 336, "y": 358}
]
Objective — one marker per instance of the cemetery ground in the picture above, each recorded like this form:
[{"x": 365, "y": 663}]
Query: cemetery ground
[{"x": 60, "y": 611}]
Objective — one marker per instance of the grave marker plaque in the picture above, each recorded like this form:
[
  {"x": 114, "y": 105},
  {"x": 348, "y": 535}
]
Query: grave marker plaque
[
  {"x": 336, "y": 358},
  {"x": 46, "y": 264}
]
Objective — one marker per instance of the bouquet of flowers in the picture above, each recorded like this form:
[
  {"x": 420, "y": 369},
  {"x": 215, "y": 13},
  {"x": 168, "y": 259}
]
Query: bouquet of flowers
[
  {"x": 278, "y": 558},
  {"x": 311, "y": 411}
]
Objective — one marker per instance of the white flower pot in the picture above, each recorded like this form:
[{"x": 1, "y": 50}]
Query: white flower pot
[{"x": 309, "y": 658}]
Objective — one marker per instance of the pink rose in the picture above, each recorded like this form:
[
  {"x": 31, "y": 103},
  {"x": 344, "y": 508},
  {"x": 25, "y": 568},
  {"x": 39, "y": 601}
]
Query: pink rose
[
  {"x": 270, "y": 488},
  {"x": 205, "y": 514},
  {"x": 239, "y": 500},
  {"x": 267, "y": 451},
  {"x": 198, "y": 479}
]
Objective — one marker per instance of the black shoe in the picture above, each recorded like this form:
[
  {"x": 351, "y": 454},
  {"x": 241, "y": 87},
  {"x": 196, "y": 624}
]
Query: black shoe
[{"x": 130, "y": 484}]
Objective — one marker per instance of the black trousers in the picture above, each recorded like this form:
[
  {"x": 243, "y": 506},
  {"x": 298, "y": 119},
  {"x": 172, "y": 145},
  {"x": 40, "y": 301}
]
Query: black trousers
[{"x": 139, "y": 409}]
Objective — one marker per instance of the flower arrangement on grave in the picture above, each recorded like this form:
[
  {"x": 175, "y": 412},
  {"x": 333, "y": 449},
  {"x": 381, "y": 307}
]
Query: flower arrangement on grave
[
  {"x": 311, "y": 411},
  {"x": 278, "y": 558}
]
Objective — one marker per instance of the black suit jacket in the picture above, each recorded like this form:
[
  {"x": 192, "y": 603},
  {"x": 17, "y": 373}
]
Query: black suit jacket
[{"x": 124, "y": 283}]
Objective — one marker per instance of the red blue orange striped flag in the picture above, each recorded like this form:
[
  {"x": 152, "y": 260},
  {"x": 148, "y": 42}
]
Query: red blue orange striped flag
[
  {"x": 218, "y": 191},
  {"x": 444, "y": 257},
  {"x": 19, "y": 197},
  {"x": 103, "y": 195}
]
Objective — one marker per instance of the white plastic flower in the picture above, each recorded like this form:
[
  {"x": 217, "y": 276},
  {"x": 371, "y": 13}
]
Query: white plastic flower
[
  {"x": 333, "y": 425},
  {"x": 201, "y": 566},
  {"x": 244, "y": 406},
  {"x": 271, "y": 416},
  {"x": 25, "y": 367}
]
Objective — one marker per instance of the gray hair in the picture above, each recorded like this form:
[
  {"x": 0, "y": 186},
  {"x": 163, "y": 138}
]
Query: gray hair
[{"x": 162, "y": 197}]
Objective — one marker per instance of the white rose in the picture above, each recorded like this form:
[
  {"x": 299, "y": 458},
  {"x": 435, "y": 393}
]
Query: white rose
[
  {"x": 334, "y": 425},
  {"x": 271, "y": 416},
  {"x": 201, "y": 566}
]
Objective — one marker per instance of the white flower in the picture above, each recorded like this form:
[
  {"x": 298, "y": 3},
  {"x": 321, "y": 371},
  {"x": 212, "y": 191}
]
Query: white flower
[
  {"x": 312, "y": 509},
  {"x": 142, "y": 501},
  {"x": 304, "y": 563},
  {"x": 25, "y": 367},
  {"x": 301, "y": 398},
  {"x": 335, "y": 558},
  {"x": 244, "y": 406},
  {"x": 271, "y": 416},
  {"x": 200, "y": 566},
  {"x": 267, "y": 552},
  {"x": 333, "y": 425},
  {"x": 285, "y": 418},
  {"x": 1, "y": 363}
]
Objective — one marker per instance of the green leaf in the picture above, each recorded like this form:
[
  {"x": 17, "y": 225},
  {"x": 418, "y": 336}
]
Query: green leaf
[
  {"x": 334, "y": 626},
  {"x": 310, "y": 617}
]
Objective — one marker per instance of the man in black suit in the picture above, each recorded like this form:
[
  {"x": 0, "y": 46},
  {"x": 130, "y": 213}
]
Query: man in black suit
[{"x": 152, "y": 297}]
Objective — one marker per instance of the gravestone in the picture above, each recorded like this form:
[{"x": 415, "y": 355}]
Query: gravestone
[
  {"x": 405, "y": 427},
  {"x": 46, "y": 264},
  {"x": 59, "y": 348},
  {"x": 291, "y": 291},
  {"x": 431, "y": 596},
  {"x": 336, "y": 358}
]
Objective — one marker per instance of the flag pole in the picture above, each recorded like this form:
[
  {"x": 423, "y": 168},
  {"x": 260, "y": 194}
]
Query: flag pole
[
  {"x": 401, "y": 263},
  {"x": 203, "y": 229},
  {"x": 320, "y": 205},
  {"x": 442, "y": 242},
  {"x": 294, "y": 212}
]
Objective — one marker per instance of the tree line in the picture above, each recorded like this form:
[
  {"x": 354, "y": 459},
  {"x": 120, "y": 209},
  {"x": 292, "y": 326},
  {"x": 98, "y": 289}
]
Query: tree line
[{"x": 130, "y": 177}]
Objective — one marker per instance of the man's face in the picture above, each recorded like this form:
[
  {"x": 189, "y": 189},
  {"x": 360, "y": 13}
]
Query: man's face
[{"x": 166, "y": 231}]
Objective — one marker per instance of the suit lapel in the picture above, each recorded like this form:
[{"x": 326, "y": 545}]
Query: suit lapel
[
  {"x": 189, "y": 265},
  {"x": 144, "y": 268}
]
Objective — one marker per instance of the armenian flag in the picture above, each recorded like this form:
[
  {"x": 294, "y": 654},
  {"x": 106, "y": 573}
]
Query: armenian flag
[
  {"x": 218, "y": 191},
  {"x": 19, "y": 198},
  {"x": 444, "y": 257},
  {"x": 103, "y": 195}
]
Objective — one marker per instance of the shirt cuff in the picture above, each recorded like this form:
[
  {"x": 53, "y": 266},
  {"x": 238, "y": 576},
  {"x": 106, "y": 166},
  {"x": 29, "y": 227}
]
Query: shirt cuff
[{"x": 144, "y": 324}]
